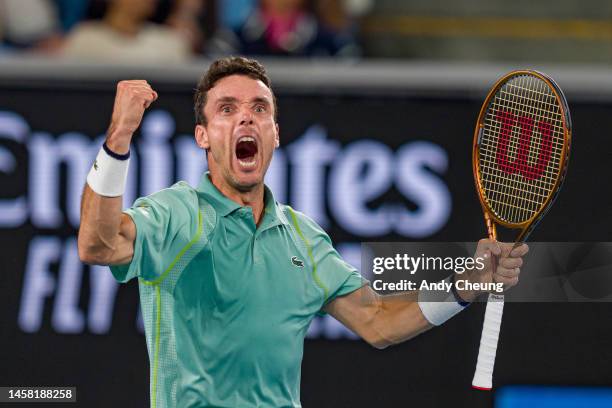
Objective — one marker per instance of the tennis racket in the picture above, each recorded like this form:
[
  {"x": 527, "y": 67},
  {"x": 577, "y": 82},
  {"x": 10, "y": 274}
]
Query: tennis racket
[{"x": 520, "y": 156}]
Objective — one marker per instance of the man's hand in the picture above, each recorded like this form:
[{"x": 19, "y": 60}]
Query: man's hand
[
  {"x": 502, "y": 265},
  {"x": 131, "y": 100}
]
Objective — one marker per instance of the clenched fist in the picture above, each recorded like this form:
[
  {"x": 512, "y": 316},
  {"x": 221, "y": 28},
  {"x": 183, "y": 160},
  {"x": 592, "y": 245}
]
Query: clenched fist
[
  {"x": 502, "y": 263},
  {"x": 131, "y": 100}
]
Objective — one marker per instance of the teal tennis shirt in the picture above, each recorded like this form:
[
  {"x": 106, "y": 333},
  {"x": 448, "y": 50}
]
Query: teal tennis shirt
[{"x": 226, "y": 304}]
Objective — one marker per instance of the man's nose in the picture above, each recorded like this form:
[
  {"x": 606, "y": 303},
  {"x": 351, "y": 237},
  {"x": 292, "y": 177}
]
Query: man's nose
[{"x": 246, "y": 117}]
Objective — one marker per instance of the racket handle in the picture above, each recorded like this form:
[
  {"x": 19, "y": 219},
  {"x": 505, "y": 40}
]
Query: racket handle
[{"x": 483, "y": 377}]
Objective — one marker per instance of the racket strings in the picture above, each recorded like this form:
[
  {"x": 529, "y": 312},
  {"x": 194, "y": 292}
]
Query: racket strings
[
  {"x": 516, "y": 149},
  {"x": 521, "y": 148}
]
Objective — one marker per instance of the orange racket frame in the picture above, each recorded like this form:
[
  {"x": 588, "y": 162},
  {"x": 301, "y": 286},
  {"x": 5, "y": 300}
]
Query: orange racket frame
[{"x": 488, "y": 343}]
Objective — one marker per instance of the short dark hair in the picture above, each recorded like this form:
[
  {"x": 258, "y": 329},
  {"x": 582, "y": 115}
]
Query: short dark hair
[{"x": 222, "y": 68}]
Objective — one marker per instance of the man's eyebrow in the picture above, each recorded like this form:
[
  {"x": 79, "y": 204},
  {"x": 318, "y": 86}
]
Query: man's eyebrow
[
  {"x": 227, "y": 99},
  {"x": 261, "y": 99}
]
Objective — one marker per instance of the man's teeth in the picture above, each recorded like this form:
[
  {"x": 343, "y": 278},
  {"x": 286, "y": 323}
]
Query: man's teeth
[
  {"x": 244, "y": 163},
  {"x": 247, "y": 139}
]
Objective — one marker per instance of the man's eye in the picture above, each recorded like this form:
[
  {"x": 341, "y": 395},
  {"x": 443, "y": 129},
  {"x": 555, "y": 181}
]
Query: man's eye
[
  {"x": 226, "y": 109},
  {"x": 260, "y": 108}
]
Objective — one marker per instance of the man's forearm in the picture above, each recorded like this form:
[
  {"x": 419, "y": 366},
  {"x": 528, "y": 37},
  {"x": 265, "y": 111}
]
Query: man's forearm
[
  {"x": 399, "y": 318},
  {"x": 100, "y": 226}
]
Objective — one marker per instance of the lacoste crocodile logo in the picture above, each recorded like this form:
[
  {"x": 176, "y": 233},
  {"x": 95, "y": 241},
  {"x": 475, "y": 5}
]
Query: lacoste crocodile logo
[{"x": 297, "y": 262}]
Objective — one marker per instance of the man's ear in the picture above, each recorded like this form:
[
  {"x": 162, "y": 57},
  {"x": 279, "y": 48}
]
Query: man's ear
[
  {"x": 201, "y": 136},
  {"x": 277, "y": 138}
]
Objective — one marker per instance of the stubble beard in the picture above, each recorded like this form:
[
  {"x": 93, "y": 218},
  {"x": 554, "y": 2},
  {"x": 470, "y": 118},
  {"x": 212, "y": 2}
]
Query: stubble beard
[{"x": 241, "y": 187}]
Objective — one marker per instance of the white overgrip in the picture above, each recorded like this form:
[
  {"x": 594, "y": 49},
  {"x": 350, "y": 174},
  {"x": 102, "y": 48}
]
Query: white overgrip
[{"x": 483, "y": 377}]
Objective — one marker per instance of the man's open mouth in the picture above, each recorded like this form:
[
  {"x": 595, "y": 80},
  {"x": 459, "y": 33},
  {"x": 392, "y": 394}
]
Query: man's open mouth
[{"x": 246, "y": 150}]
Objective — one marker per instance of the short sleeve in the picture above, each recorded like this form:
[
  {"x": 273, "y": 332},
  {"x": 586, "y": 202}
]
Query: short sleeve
[
  {"x": 165, "y": 223},
  {"x": 336, "y": 276}
]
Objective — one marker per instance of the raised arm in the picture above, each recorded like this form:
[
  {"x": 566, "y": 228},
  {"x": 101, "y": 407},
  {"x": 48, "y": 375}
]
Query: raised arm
[{"x": 106, "y": 235}]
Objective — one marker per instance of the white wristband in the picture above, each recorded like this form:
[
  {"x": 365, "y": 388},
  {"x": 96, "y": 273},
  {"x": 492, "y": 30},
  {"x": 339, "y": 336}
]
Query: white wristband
[
  {"x": 439, "y": 306},
  {"x": 108, "y": 174}
]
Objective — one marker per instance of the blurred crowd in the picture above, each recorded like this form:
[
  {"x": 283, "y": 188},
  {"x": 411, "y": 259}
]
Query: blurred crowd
[{"x": 174, "y": 31}]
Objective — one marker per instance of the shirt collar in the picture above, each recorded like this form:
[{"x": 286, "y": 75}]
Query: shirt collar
[
  {"x": 220, "y": 203},
  {"x": 273, "y": 214}
]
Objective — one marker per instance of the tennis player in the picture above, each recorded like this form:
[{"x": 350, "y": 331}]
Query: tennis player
[{"x": 229, "y": 278}]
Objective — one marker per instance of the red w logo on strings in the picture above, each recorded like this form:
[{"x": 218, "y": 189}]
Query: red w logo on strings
[{"x": 520, "y": 165}]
